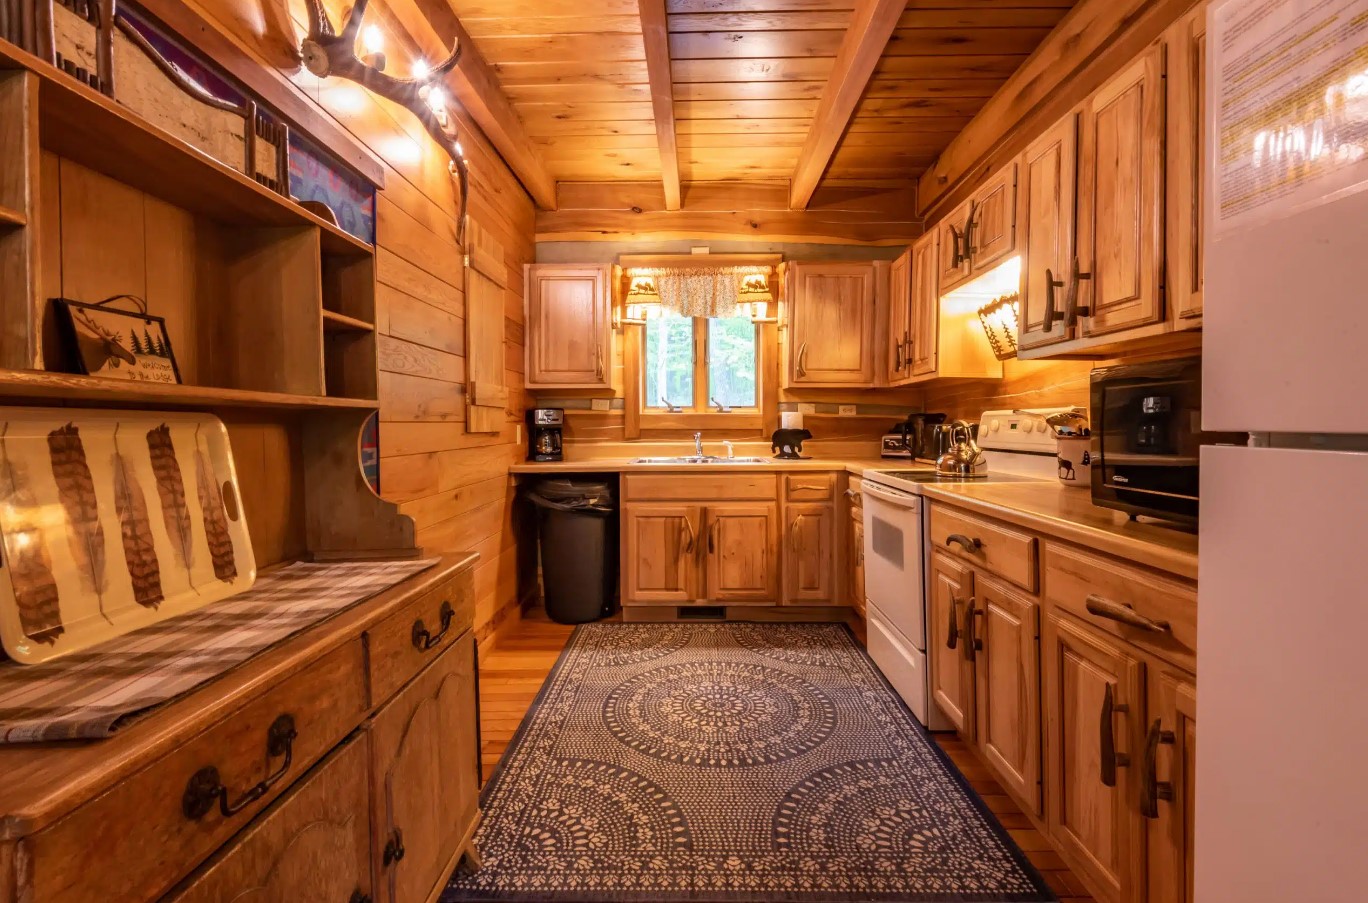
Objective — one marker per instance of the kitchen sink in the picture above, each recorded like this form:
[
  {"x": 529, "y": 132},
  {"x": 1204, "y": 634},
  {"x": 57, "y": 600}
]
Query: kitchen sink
[{"x": 697, "y": 459}]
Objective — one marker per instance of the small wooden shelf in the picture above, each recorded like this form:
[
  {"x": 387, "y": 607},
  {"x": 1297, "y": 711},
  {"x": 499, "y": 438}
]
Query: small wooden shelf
[
  {"x": 10, "y": 218},
  {"x": 81, "y": 124},
  {"x": 335, "y": 322},
  {"x": 36, "y": 384}
]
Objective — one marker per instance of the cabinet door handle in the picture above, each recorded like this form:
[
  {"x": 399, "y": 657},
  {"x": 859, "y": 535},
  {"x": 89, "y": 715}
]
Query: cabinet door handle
[
  {"x": 205, "y": 788},
  {"x": 1124, "y": 614},
  {"x": 358, "y": 896},
  {"x": 952, "y": 630},
  {"x": 970, "y": 226},
  {"x": 802, "y": 359},
  {"x": 972, "y": 644},
  {"x": 957, "y": 257},
  {"x": 423, "y": 639},
  {"x": 794, "y": 543},
  {"x": 689, "y": 546},
  {"x": 394, "y": 848},
  {"x": 712, "y": 536},
  {"x": 898, "y": 357},
  {"x": 970, "y": 545},
  {"x": 908, "y": 345},
  {"x": 1051, "y": 283},
  {"x": 1076, "y": 310},
  {"x": 1111, "y": 759},
  {"x": 598, "y": 360},
  {"x": 1154, "y": 789}
]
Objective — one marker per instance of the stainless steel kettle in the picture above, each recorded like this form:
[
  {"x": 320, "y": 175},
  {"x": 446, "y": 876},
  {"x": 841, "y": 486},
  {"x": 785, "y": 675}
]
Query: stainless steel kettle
[{"x": 964, "y": 459}]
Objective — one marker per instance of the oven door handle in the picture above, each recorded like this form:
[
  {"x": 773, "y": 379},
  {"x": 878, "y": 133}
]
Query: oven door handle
[{"x": 892, "y": 496}]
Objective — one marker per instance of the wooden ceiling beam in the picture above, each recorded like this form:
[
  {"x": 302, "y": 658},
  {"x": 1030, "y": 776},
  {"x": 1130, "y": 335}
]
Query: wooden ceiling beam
[
  {"x": 475, "y": 86},
  {"x": 655, "y": 33},
  {"x": 864, "y": 42}
]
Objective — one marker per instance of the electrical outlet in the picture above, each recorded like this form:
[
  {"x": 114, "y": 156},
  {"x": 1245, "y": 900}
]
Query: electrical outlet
[
  {"x": 600, "y": 404},
  {"x": 805, "y": 407},
  {"x": 846, "y": 410},
  {"x": 700, "y": 250},
  {"x": 517, "y": 435}
]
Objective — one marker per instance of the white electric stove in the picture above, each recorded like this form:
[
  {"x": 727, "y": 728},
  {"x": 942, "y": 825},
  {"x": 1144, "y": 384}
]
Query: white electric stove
[{"x": 1019, "y": 448}]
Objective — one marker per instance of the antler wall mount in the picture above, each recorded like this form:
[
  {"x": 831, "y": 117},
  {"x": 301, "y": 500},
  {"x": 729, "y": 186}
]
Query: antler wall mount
[{"x": 327, "y": 52}]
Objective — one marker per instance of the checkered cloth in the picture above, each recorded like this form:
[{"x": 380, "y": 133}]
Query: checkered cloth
[{"x": 92, "y": 694}]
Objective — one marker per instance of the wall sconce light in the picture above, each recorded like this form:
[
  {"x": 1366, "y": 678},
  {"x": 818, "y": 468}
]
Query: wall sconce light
[
  {"x": 373, "y": 40},
  {"x": 1000, "y": 323},
  {"x": 755, "y": 297},
  {"x": 642, "y": 300}
]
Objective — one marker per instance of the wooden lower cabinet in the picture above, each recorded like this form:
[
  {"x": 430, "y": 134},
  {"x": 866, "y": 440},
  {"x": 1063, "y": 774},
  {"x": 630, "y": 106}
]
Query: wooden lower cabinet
[
  {"x": 1094, "y": 704},
  {"x": 949, "y": 646},
  {"x": 740, "y": 562},
  {"x": 313, "y": 844},
  {"x": 1169, "y": 782},
  {"x": 1007, "y": 686},
  {"x": 425, "y": 777},
  {"x": 660, "y": 553},
  {"x": 810, "y": 554}
]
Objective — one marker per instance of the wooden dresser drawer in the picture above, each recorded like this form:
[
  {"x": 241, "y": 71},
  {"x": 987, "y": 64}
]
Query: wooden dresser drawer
[
  {"x": 1152, "y": 612},
  {"x": 809, "y": 487},
  {"x": 137, "y": 840},
  {"x": 407, "y": 641},
  {"x": 702, "y": 487},
  {"x": 313, "y": 844},
  {"x": 997, "y": 548}
]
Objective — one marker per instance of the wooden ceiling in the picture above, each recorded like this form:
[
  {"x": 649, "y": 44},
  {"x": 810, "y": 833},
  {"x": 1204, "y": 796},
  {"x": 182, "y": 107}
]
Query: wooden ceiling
[{"x": 800, "y": 90}]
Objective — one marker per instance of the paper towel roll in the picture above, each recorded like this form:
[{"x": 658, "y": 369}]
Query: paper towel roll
[{"x": 791, "y": 420}]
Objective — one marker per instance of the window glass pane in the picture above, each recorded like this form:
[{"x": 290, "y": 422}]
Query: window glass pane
[
  {"x": 669, "y": 361},
  {"x": 731, "y": 362}
]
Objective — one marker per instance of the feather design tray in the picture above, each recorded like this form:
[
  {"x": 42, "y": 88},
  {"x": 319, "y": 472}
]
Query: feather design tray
[{"x": 111, "y": 521}]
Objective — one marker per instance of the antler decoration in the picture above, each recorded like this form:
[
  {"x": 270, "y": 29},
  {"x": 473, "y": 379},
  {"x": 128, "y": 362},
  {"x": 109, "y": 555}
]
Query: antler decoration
[{"x": 327, "y": 52}]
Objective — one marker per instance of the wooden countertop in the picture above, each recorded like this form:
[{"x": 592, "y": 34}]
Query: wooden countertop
[
  {"x": 856, "y": 466},
  {"x": 43, "y": 781},
  {"x": 1069, "y": 514}
]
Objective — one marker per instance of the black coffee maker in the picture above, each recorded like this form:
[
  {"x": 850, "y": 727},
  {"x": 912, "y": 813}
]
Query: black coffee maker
[{"x": 544, "y": 427}]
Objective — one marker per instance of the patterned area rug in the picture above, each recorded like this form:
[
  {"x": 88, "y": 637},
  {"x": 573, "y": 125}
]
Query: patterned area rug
[{"x": 732, "y": 762}]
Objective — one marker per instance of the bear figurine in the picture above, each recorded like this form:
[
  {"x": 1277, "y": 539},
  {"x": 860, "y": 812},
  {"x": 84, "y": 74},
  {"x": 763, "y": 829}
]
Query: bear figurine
[{"x": 788, "y": 444}]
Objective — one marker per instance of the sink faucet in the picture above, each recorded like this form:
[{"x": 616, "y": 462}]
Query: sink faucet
[
  {"x": 698, "y": 443},
  {"x": 731, "y": 452}
]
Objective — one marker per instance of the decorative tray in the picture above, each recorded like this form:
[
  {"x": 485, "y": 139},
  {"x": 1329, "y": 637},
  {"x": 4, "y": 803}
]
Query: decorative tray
[{"x": 111, "y": 521}]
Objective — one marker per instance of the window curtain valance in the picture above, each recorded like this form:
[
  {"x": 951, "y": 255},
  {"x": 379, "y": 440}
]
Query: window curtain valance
[{"x": 700, "y": 291}]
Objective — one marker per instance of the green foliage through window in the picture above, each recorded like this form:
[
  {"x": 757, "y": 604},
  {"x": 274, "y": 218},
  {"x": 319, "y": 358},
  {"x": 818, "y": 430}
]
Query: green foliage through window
[{"x": 671, "y": 369}]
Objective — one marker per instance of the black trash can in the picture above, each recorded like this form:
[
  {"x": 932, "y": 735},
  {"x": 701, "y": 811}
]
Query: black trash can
[{"x": 578, "y": 528}]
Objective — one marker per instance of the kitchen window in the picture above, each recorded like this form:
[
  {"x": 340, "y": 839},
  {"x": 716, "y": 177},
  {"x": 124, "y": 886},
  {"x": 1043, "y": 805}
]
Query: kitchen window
[{"x": 697, "y": 365}]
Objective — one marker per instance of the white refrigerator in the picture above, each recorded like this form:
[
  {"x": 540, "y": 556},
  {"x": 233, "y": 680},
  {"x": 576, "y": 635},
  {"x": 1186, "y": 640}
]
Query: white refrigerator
[{"x": 1282, "y": 699}]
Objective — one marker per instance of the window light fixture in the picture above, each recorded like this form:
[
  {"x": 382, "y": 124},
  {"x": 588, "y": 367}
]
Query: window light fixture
[
  {"x": 1000, "y": 320},
  {"x": 755, "y": 297},
  {"x": 642, "y": 300}
]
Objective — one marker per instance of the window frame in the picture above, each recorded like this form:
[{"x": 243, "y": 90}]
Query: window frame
[{"x": 702, "y": 414}]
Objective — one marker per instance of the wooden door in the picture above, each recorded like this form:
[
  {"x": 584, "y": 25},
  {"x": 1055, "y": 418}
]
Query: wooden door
[
  {"x": 1186, "y": 137},
  {"x": 569, "y": 331},
  {"x": 810, "y": 554},
  {"x": 1047, "y": 193},
  {"x": 833, "y": 325},
  {"x": 948, "y": 645},
  {"x": 424, "y": 776},
  {"x": 953, "y": 259},
  {"x": 1121, "y": 200},
  {"x": 925, "y": 307},
  {"x": 992, "y": 235},
  {"x": 900, "y": 319},
  {"x": 660, "y": 554},
  {"x": 1093, "y": 704},
  {"x": 742, "y": 555},
  {"x": 1169, "y": 792},
  {"x": 1007, "y": 675},
  {"x": 313, "y": 844}
]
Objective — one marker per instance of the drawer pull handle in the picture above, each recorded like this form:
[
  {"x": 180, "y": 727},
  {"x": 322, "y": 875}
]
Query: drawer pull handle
[
  {"x": 359, "y": 897},
  {"x": 205, "y": 787},
  {"x": 1111, "y": 759},
  {"x": 970, "y": 544},
  {"x": 972, "y": 644},
  {"x": 952, "y": 630},
  {"x": 1124, "y": 614},
  {"x": 1154, "y": 789},
  {"x": 423, "y": 639},
  {"x": 394, "y": 848}
]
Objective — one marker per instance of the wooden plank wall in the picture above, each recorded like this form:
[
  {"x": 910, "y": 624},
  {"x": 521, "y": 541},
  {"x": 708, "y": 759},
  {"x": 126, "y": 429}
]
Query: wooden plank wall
[
  {"x": 1024, "y": 384},
  {"x": 454, "y": 484}
]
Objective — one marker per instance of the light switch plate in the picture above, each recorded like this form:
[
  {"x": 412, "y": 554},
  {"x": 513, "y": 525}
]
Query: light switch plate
[
  {"x": 846, "y": 410},
  {"x": 805, "y": 407},
  {"x": 600, "y": 404}
]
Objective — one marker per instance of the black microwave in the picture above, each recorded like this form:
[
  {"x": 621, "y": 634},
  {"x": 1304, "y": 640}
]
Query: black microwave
[{"x": 1147, "y": 438}]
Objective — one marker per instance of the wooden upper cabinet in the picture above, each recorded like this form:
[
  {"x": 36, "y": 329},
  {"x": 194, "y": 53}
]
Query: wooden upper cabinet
[
  {"x": 948, "y": 641},
  {"x": 953, "y": 267},
  {"x": 810, "y": 554},
  {"x": 900, "y": 319},
  {"x": 833, "y": 309},
  {"x": 660, "y": 553},
  {"x": 1046, "y": 196},
  {"x": 992, "y": 233},
  {"x": 1186, "y": 138},
  {"x": 569, "y": 326},
  {"x": 1094, "y": 699},
  {"x": 742, "y": 559},
  {"x": 1007, "y": 684},
  {"x": 1170, "y": 763},
  {"x": 925, "y": 313},
  {"x": 1121, "y": 201}
]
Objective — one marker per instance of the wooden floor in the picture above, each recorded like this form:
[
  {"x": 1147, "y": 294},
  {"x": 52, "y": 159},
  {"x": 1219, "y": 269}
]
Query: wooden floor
[{"x": 517, "y": 660}]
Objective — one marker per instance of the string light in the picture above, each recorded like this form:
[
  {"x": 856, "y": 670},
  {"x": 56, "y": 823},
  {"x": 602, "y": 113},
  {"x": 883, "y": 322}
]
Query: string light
[
  {"x": 420, "y": 69},
  {"x": 373, "y": 39}
]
